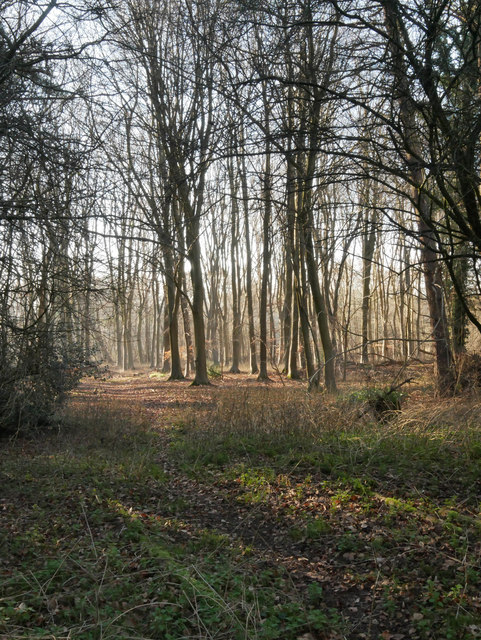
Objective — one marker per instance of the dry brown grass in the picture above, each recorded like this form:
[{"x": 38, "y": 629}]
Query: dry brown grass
[{"x": 459, "y": 416}]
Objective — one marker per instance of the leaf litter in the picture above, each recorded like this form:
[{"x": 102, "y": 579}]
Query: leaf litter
[{"x": 394, "y": 554}]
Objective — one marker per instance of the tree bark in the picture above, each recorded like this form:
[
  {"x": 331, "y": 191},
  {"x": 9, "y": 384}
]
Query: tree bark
[
  {"x": 266, "y": 223},
  {"x": 236, "y": 311},
  {"x": 430, "y": 258},
  {"x": 250, "y": 303},
  {"x": 368, "y": 246}
]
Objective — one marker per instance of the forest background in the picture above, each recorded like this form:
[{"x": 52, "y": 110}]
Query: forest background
[
  {"x": 240, "y": 241},
  {"x": 296, "y": 185}
]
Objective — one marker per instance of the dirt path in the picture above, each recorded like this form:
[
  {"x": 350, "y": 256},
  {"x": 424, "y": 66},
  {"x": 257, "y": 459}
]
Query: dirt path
[{"x": 351, "y": 578}]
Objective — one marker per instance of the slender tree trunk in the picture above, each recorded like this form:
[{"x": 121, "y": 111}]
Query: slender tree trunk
[
  {"x": 286, "y": 311},
  {"x": 148, "y": 336},
  {"x": 125, "y": 364},
  {"x": 437, "y": 311},
  {"x": 409, "y": 300},
  {"x": 266, "y": 223},
  {"x": 118, "y": 334},
  {"x": 189, "y": 350},
  {"x": 140, "y": 322},
  {"x": 166, "y": 336},
  {"x": 130, "y": 350},
  {"x": 458, "y": 313},
  {"x": 201, "y": 377},
  {"x": 172, "y": 318},
  {"x": 176, "y": 365},
  {"x": 293, "y": 241},
  {"x": 292, "y": 370},
  {"x": 192, "y": 230},
  {"x": 368, "y": 246},
  {"x": 322, "y": 319},
  {"x": 304, "y": 319},
  {"x": 272, "y": 328},
  {"x": 431, "y": 265},
  {"x": 346, "y": 322},
  {"x": 88, "y": 294},
  {"x": 236, "y": 312},
  {"x": 153, "y": 340},
  {"x": 250, "y": 303}
]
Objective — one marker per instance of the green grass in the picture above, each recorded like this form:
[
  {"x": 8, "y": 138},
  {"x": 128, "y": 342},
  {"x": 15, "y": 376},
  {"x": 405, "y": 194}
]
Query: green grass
[
  {"x": 402, "y": 500},
  {"x": 91, "y": 549},
  {"x": 101, "y": 539},
  {"x": 439, "y": 458}
]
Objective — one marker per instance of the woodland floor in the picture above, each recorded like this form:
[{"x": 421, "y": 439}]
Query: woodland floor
[{"x": 244, "y": 511}]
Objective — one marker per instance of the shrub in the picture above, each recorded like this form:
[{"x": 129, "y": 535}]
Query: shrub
[
  {"x": 382, "y": 402},
  {"x": 34, "y": 378},
  {"x": 214, "y": 371}
]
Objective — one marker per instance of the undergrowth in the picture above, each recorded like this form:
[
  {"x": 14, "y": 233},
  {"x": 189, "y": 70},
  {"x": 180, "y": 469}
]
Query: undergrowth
[
  {"x": 92, "y": 547},
  {"x": 399, "y": 500},
  {"x": 298, "y": 433},
  {"x": 110, "y": 528}
]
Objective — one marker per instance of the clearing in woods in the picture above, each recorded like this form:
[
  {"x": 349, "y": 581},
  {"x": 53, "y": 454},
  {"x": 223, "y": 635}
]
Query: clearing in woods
[{"x": 242, "y": 511}]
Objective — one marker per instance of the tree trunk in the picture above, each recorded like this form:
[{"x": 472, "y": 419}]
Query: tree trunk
[
  {"x": 413, "y": 153},
  {"x": 266, "y": 223},
  {"x": 236, "y": 311},
  {"x": 322, "y": 319},
  {"x": 201, "y": 376},
  {"x": 166, "y": 336},
  {"x": 140, "y": 322},
  {"x": 118, "y": 334},
  {"x": 189, "y": 351},
  {"x": 250, "y": 304},
  {"x": 172, "y": 318},
  {"x": 368, "y": 245},
  {"x": 312, "y": 375},
  {"x": 458, "y": 313},
  {"x": 293, "y": 250},
  {"x": 286, "y": 311}
]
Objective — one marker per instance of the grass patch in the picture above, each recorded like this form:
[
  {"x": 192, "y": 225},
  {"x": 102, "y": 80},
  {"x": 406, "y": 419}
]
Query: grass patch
[
  {"x": 112, "y": 529},
  {"x": 158, "y": 375},
  {"x": 91, "y": 549},
  {"x": 399, "y": 500},
  {"x": 296, "y": 433}
]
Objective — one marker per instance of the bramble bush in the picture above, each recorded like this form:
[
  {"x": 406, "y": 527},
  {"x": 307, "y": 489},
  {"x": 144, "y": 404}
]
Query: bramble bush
[{"x": 35, "y": 374}]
